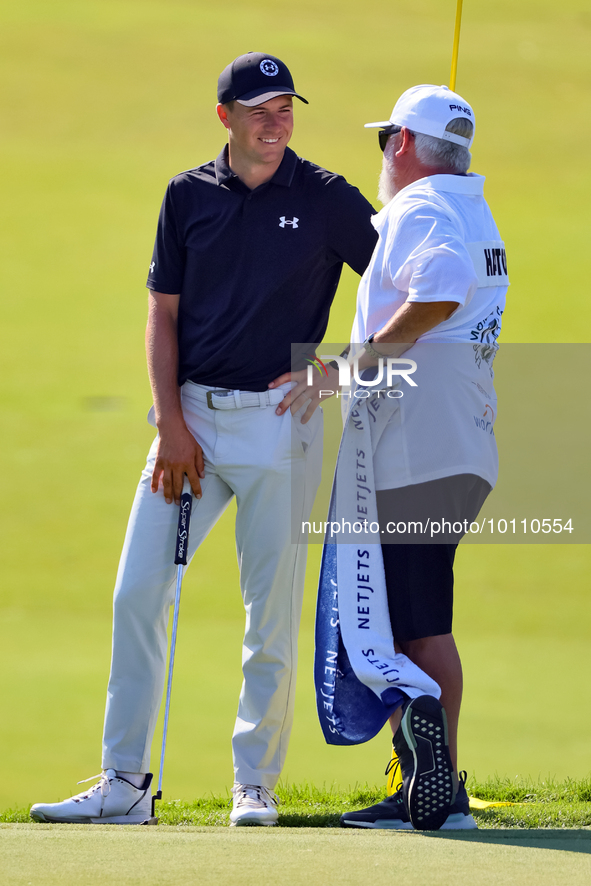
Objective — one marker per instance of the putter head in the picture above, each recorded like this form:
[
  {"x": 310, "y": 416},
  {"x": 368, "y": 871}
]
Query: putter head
[{"x": 153, "y": 819}]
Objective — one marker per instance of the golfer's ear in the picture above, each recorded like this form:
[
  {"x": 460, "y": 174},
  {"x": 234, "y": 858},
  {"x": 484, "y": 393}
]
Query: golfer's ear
[{"x": 223, "y": 115}]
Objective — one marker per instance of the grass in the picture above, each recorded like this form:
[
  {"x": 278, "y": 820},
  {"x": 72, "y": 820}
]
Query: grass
[
  {"x": 539, "y": 805},
  {"x": 69, "y": 855},
  {"x": 108, "y": 99}
]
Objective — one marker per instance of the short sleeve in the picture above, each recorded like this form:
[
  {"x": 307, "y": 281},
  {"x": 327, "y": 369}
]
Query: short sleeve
[
  {"x": 168, "y": 259},
  {"x": 428, "y": 259},
  {"x": 351, "y": 235}
]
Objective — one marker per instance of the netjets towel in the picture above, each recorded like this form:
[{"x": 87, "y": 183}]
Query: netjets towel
[
  {"x": 441, "y": 426},
  {"x": 360, "y": 679}
]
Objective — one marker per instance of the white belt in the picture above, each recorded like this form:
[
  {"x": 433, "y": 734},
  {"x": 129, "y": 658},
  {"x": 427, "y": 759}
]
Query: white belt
[
  {"x": 243, "y": 399},
  {"x": 237, "y": 399}
]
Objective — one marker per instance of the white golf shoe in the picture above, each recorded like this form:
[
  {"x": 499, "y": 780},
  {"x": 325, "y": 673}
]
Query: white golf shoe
[
  {"x": 253, "y": 805},
  {"x": 113, "y": 800}
]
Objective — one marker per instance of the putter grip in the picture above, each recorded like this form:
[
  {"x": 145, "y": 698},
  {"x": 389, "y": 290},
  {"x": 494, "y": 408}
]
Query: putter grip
[{"x": 182, "y": 533}]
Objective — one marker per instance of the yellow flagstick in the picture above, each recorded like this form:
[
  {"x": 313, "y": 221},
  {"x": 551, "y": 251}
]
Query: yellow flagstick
[{"x": 454, "y": 53}]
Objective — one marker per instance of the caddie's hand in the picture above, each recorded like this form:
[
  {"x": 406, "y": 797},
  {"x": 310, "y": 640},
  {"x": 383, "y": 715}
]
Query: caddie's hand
[
  {"x": 178, "y": 454},
  {"x": 322, "y": 387}
]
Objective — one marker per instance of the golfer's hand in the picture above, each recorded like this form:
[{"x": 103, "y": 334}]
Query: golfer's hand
[
  {"x": 322, "y": 387},
  {"x": 179, "y": 453}
]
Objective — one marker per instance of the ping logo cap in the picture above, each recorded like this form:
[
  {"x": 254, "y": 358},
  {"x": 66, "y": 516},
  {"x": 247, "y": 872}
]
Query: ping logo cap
[
  {"x": 428, "y": 109},
  {"x": 254, "y": 78}
]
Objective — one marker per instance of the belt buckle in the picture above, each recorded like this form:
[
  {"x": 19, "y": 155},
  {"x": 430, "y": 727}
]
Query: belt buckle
[{"x": 209, "y": 396}]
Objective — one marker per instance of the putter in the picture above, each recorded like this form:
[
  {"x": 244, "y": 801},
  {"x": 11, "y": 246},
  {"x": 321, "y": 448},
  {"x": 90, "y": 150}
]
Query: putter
[{"x": 180, "y": 559}]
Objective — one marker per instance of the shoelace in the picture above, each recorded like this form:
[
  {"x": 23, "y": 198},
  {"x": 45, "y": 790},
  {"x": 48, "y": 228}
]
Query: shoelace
[
  {"x": 394, "y": 767},
  {"x": 254, "y": 792},
  {"x": 104, "y": 785}
]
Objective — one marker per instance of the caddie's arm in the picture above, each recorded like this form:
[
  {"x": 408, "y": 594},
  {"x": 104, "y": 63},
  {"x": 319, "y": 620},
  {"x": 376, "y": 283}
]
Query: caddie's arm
[
  {"x": 179, "y": 453},
  {"x": 411, "y": 320},
  {"x": 322, "y": 387}
]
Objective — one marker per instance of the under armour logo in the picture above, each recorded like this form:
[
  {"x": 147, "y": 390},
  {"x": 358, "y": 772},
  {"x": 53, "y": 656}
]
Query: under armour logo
[
  {"x": 288, "y": 221},
  {"x": 269, "y": 67},
  {"x": 152, "y": 266}
]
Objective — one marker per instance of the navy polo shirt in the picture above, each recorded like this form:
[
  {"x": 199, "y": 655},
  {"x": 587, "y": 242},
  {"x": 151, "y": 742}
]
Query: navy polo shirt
[{"x": 256, "y": 269}]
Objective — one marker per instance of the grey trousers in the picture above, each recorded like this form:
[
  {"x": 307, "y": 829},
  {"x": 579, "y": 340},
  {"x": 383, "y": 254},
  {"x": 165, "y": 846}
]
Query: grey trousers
[{"x": 272, "y": 465}]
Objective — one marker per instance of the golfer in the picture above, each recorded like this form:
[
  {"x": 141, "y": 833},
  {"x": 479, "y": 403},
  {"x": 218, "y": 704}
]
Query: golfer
[
  {"x": 434, "y": 291},
  {"x": 248, "y": 255}
]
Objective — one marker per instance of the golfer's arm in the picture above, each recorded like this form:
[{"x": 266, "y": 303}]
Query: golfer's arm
[
  {"x": 411, "y": 320},
  {"x": 162, "y": 353}
]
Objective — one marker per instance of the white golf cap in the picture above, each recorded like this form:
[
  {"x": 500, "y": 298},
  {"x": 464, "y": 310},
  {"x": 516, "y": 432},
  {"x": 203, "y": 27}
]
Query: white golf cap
[{"x": 428, "y": 109}]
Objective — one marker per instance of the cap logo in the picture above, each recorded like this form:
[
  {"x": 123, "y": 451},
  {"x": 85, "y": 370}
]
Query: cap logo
[
  {"x": 460, "y": 108},
  {"x": 269, "y": 67}
]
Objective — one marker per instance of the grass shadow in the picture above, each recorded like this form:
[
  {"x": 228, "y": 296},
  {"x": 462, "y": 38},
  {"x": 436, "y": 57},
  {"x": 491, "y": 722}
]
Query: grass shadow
[
  {"x": 561, "y": 839},
  {"x": 309, "y": 820}
]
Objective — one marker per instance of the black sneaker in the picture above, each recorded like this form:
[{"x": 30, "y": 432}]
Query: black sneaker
[
  {"x": 459, "y": 817},
  {"x": 390, "y": 814},
  {"x": 422, "y": 747}
]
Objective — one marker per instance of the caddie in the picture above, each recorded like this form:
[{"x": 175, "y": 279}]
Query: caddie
[
  {"x": 248, "y": 255},
  {"x": 417, "y": 461}
]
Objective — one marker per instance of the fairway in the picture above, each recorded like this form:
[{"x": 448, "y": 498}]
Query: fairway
[
  {"x": 69, "y": 854},
  {"x": 108, "y": 99}
]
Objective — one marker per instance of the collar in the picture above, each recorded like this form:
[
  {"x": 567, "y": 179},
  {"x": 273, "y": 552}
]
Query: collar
[
  {"x": 470, "y": 184},
  {"x": 456, "y": 184},
  {"x": 283, "y": 176}
]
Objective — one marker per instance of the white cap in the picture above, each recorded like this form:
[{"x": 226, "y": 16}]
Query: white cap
[{"x": 428, "y": 109}]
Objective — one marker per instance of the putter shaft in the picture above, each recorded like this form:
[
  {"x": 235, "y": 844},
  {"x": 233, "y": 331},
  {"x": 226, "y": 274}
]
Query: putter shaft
[
  {"x": 180, "y": 559},
  {"x": 175, "y": 621}
]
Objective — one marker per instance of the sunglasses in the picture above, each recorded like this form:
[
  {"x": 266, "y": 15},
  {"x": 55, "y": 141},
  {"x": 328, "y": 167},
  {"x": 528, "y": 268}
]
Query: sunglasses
[{"x": 384, "y": 135}]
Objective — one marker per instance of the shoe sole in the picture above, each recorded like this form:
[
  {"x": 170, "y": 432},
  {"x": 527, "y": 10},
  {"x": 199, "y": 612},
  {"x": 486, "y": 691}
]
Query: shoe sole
[
  {"x": 430, "y": 792},
  {"x": 113, "y": 819},
  {"x": 251, "y": 823},
  {"x": 459, "y": 822},
  {"x": 455, "y": 822},
  {"x": 395, "y": 824}
]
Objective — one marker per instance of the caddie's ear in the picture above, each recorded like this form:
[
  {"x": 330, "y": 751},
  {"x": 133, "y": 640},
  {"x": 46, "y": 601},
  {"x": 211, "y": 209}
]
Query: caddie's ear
[
  {"x": 223, "y": 115},
  {"x": 406, "y": 142}
]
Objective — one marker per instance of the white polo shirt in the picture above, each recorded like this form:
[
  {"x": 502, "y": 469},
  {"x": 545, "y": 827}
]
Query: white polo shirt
[{"x": 437, "y": 242}]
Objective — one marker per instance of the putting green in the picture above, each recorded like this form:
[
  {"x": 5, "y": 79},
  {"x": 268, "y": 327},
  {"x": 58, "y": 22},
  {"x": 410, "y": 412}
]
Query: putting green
[
  {"x": 45, "y": 855},
  {"x": 108, "y": 99}
]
